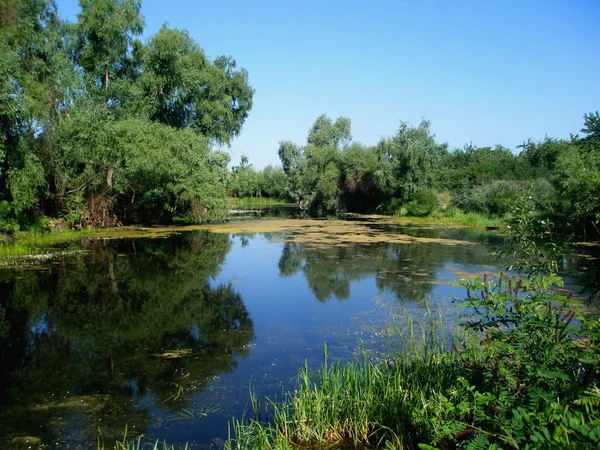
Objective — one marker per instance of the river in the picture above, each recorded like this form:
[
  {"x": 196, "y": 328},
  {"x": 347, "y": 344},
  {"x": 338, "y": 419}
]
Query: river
[{"x": 165, "y": 335}]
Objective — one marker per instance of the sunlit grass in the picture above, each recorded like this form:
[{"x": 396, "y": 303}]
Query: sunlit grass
[
  {"x": 465, "y": 219},
  {"x": 364, "y": 404},
  {"x": 257, "y": 200},
  {"x": 37, "y": 245}
]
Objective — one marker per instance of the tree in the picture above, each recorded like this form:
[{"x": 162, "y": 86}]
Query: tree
[
  {"x": 325, "y": 133},
  {"x": 105, "y": 30},
  {"x": 36, "y": 76},
  {"x": 314, "y": 171},
  {"x": 591, "y": 126},
  {"x": 186, "y": 90},
  {"x": 244, "y": 180},
  {"x": 408, "y": 161}
]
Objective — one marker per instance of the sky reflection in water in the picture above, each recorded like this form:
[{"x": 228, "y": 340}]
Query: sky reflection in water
[{"x": 166, "y": 335}]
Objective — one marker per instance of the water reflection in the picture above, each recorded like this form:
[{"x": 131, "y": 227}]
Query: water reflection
[
  {"x": 127, "y": 326},
  {"x": 406, "y": 270},
  {"x": 158, "y": 333}
]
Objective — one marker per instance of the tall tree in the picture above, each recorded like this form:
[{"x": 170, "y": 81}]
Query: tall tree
[
  {"x": 187, "y": 90},
  {"x": 408, "y": 161},
  {"x": 34, "y": 84},
  {"x": 105, "y": 31}
]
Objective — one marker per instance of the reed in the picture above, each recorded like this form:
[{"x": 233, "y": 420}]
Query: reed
[
  {"x": 138, "y": 443},
  {"x": 514, "y": 377}
]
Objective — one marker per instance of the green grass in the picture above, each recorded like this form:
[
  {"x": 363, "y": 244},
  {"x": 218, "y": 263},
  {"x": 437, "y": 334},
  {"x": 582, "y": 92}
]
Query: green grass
[
  {"x": 36, "y": 242},
  {"x": 257, "y": 200},
  {"x": 526, "y": 384},
  {"x": 139, "y": 443},
  {"x": 465, "y": 219},
  {"x": 364, "y": 404}
]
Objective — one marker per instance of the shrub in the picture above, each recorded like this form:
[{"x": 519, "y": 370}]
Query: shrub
[
  {"x": 422, "y": 203},
  {"x": 494, "y": 198},
  {"x": 8, "y": 223}
]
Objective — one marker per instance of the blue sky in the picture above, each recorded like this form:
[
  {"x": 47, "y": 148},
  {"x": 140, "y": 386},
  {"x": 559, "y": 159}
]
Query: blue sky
[{"x": 483, "y": 71}]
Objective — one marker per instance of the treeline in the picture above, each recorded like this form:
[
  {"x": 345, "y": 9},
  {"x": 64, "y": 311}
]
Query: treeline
[
  {"x": 410, "y": 173},
  {"x": 99, "y": 128},
  {"x": 244, "y": 181}
]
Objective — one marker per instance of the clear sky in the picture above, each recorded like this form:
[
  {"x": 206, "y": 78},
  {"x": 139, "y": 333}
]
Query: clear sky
[{"x": 485, "y": 72}]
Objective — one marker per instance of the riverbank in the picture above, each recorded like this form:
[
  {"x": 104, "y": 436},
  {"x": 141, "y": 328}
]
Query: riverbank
[
  {"x": 39, "y": 242},
  {"x": 531, "y": 382},
  {"x": 258, "y": 200}
]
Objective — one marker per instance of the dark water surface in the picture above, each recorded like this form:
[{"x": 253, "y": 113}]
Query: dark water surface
[{"x": 166, "y": 335}]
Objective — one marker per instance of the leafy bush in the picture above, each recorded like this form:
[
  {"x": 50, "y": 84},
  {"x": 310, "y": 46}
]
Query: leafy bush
[
  {"x": 390, "y": 206},
  {"x": 75, "y": 209},
  {"x": 8, "y": 223},
  {"x": 495, "y": 198},
  {"x": 422, "y": 203}
]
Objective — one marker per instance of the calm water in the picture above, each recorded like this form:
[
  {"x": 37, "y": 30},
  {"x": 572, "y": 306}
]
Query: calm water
[{"x": 166, "y": 335}]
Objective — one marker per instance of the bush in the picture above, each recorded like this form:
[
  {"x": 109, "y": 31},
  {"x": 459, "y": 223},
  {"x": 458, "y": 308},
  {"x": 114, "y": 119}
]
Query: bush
[
  {"x": 8, "y": 223},
  {"x": 422, "y": 203},
  {"x": 494, "y": 198},
  {"x": 390, "y": 206}
]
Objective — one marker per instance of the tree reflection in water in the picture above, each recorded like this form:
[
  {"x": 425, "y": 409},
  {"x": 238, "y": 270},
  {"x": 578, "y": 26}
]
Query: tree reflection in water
[{"x": 127, "y": 327}]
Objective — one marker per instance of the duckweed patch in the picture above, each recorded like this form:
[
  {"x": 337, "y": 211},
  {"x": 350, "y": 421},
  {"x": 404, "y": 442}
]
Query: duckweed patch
[{"x": 327, "y": 232}]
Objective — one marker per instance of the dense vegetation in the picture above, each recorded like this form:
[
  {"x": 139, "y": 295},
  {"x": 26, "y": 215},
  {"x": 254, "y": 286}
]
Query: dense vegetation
[
  {"x": 99, "y": 128},
  {"x": 410, "y": 173}
]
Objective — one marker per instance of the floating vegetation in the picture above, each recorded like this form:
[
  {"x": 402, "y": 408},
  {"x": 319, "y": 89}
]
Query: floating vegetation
[
  {"x": 43, "y": 248},
  {"x": 172, "y": 354},
  {"x": 326, "y": 232}
]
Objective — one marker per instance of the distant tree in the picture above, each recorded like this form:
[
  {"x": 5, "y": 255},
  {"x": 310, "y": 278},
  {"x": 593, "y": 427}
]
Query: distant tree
[
  {"x": 314, "y": 171},
  {"x": 325, "y": 133},
  {"x": 275, "y": 183},
  {"x": 577, "y": 176},
  {"x": 408, "y": 161},
  {"x": 244, "y": 180},
  {"x": 591, "y": 126}
]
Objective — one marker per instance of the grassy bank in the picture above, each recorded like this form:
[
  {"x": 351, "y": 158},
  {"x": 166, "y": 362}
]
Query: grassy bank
[
  {"x": 257, "y": 201},
  {"x": 456, "y": 218},
  {"x": 40, "y": 243},
  {"x": 35, "y": 242},
  {"x": 523, "y": 375}
]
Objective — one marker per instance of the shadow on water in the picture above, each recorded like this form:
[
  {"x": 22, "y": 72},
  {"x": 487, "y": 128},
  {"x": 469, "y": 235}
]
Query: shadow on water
[
  {"x": 264, "y": 211},
  {"x": 125, "y": 334}
]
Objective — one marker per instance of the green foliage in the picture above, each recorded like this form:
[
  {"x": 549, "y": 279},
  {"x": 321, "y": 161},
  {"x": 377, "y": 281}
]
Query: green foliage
[
  {"x": 104, "y": 33},
  {"x": 495, "y": 198},
  {"x": 408, "y": 161},
  {"x": 8, "y": 222},
  {"x": 186, "y": 90},
  {"x": 325, "y": 133},
  {"x": 422, "y": 203},
  {"x": 533, "y": 247},
  {"x": 314, "y": 172},
  {"x": 577, "y": 177},
  {"x": 78, "y": 108},
  {"x": 75, "y": 210}
]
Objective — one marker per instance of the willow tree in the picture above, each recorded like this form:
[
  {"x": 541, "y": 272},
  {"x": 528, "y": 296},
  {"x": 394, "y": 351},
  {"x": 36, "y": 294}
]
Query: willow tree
[{"x": 187, "y": 90}]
